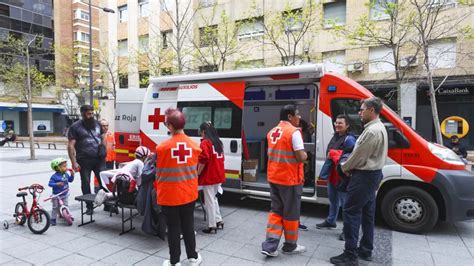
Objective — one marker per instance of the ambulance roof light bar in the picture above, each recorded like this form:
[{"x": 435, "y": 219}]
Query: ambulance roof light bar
[{"x": 305, "y": 71}]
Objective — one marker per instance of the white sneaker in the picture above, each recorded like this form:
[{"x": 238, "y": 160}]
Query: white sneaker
[
  {"x": 100, "y": 197},
  {"x": 195, "y": 261},
  {"x": 168, "y": 263},
  {"x": 269, "y": 254},
  {"x": 297, "y": 250}
]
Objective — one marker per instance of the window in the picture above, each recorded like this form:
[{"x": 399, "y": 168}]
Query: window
[
  {"x": 226, "y": 117},
  {"x": 123, "y": 14},
  {"x": 379, "y": 9},
  {"x": 381, "y": 60},
  {"x": 4, "y": 10},
  {"x": 208, "y": 35},
  {"x": 207, "y": 3},
  {"x": 248, "y": 64},
  {"x": 82, "y": 37},
  {"x": 350, "y": 108},
  {"x": 444, "y": 3},
  {"x": 442, "y": 53},
  {"x": 208, "y": 68},
  {"x": 143, "y": 8},
  {"x": 166, "y": 5},
  {"x": 250, "y": 28},
  {"x": 123, "y": 47},
  {"x": 144, "y": 79},
  {"x": 335, "y": 61},
  {"x": 143, "y": 43},
  {"x": 80, "y": 14},
  {"x": 292, "y": 21},
  {"x": 166, "y": 37},
  {"x": 166, "y": 71},
  {"x": 123, "y": 80},
  {"x": 334, "y": 13}
]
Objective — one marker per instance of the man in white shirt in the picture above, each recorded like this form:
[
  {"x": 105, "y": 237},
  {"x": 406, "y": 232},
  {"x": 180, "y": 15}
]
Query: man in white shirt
[{"x": 364, "y": 166}]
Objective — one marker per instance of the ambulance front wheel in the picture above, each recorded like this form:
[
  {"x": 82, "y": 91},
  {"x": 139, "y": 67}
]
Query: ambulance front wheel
[{"x": 409, "y": 209}]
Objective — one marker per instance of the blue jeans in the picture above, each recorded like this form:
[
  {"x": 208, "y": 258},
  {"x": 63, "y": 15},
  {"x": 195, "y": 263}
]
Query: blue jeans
[
  {"x": 336, "y": 200},
  {"x": 359, "y": 210}
]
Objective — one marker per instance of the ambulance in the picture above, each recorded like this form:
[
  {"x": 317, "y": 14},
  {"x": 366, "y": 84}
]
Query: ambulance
[{"x": 423, "y": 182}]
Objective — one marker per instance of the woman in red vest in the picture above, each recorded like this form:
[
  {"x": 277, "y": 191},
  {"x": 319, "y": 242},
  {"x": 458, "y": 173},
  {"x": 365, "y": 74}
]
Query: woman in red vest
[
  {"x": 211, "y": 174},
  {"x": 177, "y": 186}
]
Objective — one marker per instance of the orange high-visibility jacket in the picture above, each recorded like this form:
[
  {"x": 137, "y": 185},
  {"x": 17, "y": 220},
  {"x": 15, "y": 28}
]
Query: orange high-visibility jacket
[
  {"x": 110, "y": 146},
  {"x": 283, "y": 168},
  {"x": 176, "y": 171}
]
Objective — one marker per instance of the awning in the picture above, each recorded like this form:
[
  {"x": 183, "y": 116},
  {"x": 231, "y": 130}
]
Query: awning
[{"x": 37, "y": 107}]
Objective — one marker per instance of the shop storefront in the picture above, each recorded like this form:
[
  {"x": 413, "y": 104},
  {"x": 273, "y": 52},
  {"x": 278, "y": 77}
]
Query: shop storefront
[
  {"x": 455, "y": 108},
  {"x": 47, "y": 119}
]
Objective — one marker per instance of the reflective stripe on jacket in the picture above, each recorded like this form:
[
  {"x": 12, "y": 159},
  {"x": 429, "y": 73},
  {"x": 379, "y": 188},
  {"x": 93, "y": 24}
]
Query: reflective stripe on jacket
[
  {"x": 176, "y": 171},
  {"x": 283, "y": 167}
]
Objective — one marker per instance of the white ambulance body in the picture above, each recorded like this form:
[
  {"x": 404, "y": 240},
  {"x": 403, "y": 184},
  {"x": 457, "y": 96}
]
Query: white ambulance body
[{"x": 423, "y": 182}]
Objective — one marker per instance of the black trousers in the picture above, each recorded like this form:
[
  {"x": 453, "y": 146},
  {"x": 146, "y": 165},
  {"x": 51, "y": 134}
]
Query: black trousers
[
  {"x": 180, "y": 219},
  {"x": 95, "y": 165},
  {"x": 109, "y": 165}
]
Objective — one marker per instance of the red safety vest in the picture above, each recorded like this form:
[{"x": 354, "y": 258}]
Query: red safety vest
[
  {"x": 176, "y": 171},
  {"x": 283, "y": 168}
]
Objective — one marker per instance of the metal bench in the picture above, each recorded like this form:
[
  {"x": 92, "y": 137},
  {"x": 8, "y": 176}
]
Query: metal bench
[{"x": 89, "y": 198}]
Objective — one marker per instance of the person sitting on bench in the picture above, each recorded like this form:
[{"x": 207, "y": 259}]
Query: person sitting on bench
[{"x": 134, "y": 168}]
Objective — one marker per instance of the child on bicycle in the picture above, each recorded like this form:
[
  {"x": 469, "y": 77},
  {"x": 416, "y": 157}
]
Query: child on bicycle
[{"x": 59, "y": 181}]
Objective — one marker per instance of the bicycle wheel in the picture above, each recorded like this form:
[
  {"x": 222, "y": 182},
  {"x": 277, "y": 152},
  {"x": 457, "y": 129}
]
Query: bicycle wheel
[
  {"x": 20, "y": 217},
  {"x": 39, "y": 221},
  {"x": 66, "y": 215}
]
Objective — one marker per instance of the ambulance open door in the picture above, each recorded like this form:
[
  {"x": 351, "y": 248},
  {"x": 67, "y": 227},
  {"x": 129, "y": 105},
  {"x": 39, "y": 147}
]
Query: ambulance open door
[{"x": 222, "y": 104}]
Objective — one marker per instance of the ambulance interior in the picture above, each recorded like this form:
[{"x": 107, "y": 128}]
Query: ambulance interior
[{"x": 261, "y": 113}]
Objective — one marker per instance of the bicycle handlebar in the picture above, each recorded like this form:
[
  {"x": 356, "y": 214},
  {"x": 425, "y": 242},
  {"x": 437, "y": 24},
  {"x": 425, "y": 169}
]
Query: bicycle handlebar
[
  {"x": 56, "y": 195},
  {"x": 35, "y": 187}
]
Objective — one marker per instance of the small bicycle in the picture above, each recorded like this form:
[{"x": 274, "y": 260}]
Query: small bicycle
[
  {"x": 63, "y": 209},
  {"x": 38, "y": 219}
]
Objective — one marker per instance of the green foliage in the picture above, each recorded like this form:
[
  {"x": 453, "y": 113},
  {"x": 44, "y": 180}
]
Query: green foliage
[{"x": 13, "y": 68}]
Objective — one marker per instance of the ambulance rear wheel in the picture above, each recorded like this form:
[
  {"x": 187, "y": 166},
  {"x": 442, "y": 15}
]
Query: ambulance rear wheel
[{"x": 409, "y": 209}]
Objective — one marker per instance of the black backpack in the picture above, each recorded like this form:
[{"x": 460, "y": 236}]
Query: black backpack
[{"x": 121, "y": 189}]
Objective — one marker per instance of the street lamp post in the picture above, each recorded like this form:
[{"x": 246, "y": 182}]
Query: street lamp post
[{"x": 105, "y": 9}]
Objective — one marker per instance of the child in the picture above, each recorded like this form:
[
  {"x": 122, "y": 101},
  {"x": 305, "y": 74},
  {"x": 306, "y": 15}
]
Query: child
[{"x": 59, "y": 181}]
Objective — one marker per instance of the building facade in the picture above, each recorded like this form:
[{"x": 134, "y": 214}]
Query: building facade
[
  {"x": 158, "y": 29},
  {"x": 72, "y": 41},
  {"x": 23, "y": 20}
]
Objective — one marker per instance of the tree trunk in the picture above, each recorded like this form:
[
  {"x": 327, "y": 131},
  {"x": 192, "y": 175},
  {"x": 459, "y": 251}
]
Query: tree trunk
[
  {"x": 30, "y": 106},
  {"x": 434, "y": 108}
]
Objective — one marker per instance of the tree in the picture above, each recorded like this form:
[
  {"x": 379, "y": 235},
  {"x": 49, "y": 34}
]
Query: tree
[
  {"x": 112, "y": 67},
  {"x": 180, "y": 15},
  {"x": 71, "y": 67},
  {"x": 388, "y": 25},
  {"x": 22, "y": 79},
  {"x": 291, "y": 31},
  {"x": 431, "y": 22},
  {"x": 217, "y": 40}
]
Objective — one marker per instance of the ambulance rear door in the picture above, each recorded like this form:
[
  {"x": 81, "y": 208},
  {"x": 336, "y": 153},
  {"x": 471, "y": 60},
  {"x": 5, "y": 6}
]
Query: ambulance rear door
[{"x": 222, "y": 104}]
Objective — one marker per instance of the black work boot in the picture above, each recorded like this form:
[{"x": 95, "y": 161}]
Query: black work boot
[
  {"x": 364, "y": 255},
  {"x": 344, "y": 259}
]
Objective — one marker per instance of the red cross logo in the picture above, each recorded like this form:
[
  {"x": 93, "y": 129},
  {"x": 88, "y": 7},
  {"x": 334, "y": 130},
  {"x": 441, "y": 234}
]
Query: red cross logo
[
  {"x": 181, "y": 153},
  {"x": 276, "y": 135},
  {"x": 156, "y": 118},
  {"x": 218, "y": 156}
]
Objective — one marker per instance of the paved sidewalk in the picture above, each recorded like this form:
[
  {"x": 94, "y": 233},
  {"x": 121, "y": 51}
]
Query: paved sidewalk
[{"x": 238, "y": 244}]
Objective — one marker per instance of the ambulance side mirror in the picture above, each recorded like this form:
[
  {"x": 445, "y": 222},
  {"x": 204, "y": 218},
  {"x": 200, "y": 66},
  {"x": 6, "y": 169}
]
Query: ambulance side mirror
[
  {"x": 233, "y": 146},
  {"x": 121, "y": 139}
]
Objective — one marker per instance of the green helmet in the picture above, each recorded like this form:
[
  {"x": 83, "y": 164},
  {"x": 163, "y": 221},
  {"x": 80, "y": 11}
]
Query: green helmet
[{"x": 57, "y": 162}]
